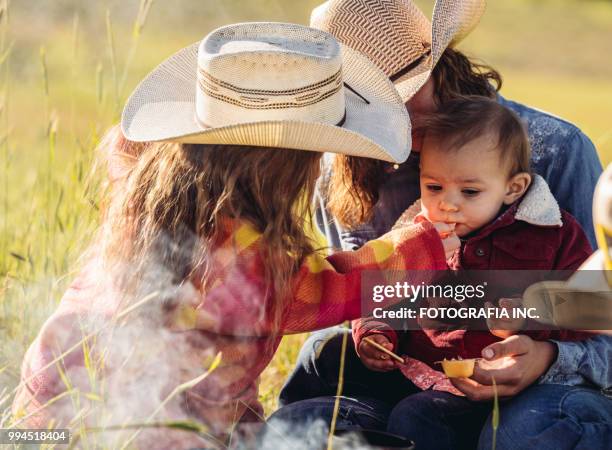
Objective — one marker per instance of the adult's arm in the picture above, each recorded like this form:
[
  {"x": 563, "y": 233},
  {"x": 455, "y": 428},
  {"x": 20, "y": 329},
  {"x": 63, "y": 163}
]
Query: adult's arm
[
  {"x": 583, "y": 362},
  {"x": 573, "y": 177},
  {"x": 518, "y": 362}
]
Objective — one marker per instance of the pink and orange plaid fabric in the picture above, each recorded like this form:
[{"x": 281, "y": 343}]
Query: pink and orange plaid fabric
[{"x": 233, "y": 318}]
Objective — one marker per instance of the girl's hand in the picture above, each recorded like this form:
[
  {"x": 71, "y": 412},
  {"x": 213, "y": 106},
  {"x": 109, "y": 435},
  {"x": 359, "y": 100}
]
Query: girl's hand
[
  {"x": 373, "y": 358},
  {"x": 502, "y": 327},
  {"x": 515, "y": 363},
  {"x": 450, "y": 241}
]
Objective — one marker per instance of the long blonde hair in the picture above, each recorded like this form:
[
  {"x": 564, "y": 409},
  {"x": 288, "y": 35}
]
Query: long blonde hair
[{"x": 170, "y": 201}]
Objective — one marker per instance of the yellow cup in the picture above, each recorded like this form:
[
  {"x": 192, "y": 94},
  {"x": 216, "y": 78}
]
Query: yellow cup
[{"x": 458, "y": 368}]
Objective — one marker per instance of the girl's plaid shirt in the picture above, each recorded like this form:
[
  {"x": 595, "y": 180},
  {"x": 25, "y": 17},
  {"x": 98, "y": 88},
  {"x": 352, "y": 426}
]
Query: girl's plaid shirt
[{"x": 233, "y": 318}]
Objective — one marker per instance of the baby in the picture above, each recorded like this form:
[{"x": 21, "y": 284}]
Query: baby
[{"x": 475, "y": 175}]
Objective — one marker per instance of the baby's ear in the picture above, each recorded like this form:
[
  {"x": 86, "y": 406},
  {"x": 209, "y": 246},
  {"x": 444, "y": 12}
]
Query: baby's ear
[{"x": 516, "y": 187}]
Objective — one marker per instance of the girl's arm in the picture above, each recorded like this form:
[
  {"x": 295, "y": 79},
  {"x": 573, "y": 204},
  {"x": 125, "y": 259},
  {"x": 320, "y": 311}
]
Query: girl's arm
[{"x": 328, "y": 290}]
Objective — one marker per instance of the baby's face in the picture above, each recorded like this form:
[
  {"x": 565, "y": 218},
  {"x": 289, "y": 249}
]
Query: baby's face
[{"x": 466, "y": 187}]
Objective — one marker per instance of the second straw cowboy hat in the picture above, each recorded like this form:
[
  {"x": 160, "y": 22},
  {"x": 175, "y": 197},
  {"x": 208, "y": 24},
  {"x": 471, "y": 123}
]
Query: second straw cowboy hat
[
  {"x": 397, "y": 36},
  {"x": 271, "y": 85}
]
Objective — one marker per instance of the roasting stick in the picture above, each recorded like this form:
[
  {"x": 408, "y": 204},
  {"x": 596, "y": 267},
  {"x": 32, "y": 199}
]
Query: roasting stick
[{"x": 384, "y": 350}]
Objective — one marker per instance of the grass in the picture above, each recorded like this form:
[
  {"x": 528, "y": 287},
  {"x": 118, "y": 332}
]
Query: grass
[{"x": 65, "y": 70}]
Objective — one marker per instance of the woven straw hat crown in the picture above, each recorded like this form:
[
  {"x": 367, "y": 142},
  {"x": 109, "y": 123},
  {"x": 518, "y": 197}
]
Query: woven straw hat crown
[
  {"x": 397, "y": 36},
  {"x": 271, "y": 85},
  {"x": 391, "y": 33},
  {"x": 247, "y": 73}
]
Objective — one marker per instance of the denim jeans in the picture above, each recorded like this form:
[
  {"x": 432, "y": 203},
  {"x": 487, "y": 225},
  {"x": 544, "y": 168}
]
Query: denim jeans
[
  {"x": 553, "y": 416},
  {"x": 439, "y": 420},
  {"x": 545, "y": 416},
  {"x": 360, "y": 423},
  {"x": 354, "y": 413},
  {"x": 307, "y": 399},
  {"x": 542, "y": 416},
  {"x": 318, "y": 366}
]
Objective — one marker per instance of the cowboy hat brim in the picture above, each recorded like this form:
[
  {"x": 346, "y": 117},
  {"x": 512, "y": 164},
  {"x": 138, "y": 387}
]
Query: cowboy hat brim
[
  {"x": 359, "y": 26},
  {"x": 163, "y": 108},
  {"x": 452, "y": 21},
  {"x": 582, "y": 302}
]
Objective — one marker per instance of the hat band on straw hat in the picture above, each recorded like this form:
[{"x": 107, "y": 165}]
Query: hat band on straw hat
[
  {"x": 413, "y": 65},
  {"x": 220, "y": 103},
  {"x": 214, "y": 83}
]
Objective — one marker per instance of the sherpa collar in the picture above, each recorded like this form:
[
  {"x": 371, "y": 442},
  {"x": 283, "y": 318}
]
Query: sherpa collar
[{"x": 537, "y": 207}]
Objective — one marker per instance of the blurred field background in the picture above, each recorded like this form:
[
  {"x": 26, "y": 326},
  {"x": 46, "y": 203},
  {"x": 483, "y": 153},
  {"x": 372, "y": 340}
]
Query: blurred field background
[{"x": 67, "y": 66}]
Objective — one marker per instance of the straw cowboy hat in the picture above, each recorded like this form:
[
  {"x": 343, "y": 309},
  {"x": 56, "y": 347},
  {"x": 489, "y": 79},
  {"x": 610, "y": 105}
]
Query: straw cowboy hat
[
  {"x": 583, "y": 302},
  {"x": 397, "y": 36},
  {"x": 271, "y": 85}
]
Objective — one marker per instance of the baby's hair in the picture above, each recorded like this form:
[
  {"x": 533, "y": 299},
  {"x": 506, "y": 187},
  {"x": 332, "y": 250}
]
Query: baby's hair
[{"x": 464, "y": 119}]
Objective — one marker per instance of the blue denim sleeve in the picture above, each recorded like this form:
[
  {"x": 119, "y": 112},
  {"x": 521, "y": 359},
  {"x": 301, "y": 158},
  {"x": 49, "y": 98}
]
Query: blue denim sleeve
[
  {"x": 582, "y": 363},
  {"x": 573, "y": 177}
]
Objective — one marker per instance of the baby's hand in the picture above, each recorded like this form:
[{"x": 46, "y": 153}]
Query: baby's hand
[
  {"x": 373, "y": 358},
  {"x": 450, "y": 241},
  {"x": 502, "y": 327},
  {"x": 446, "y": 231}
]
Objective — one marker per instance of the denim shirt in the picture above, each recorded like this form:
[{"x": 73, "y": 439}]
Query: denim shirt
[
  {"x": 568, "y": 161},
  {"x": 583, "y": 363}
]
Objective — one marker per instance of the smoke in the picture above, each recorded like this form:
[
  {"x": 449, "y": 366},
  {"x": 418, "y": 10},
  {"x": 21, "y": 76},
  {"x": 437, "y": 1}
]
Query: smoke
[
  {"x": 114, "y": 358},
  {"x": 312, "y": 435}
]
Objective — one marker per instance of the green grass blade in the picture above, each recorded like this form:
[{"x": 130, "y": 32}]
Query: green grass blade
[
  {"x": 495, "y": 415},
  {"x": 332, "y": 429}
]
